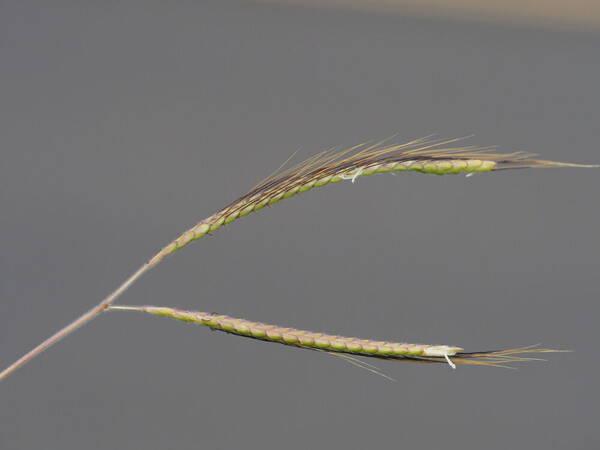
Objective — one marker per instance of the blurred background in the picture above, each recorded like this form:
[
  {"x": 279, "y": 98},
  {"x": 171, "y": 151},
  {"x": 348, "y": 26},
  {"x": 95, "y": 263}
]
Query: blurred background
[
  {"x": 556, "y": 14},
  {"x": 123, "y": 123}
]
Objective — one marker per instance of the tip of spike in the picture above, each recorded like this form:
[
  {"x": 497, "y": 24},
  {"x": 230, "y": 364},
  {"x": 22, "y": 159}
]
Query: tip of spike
[
  {"x": 544, "y": 163},
  {"x": 520, "y": 162},
  {"x": 499, "y": 358}
]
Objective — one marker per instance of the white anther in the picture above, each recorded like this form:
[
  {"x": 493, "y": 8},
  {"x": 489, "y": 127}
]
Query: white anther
[
  {"x": 449, "y": 361},
  {"x": 352, "y": 177},
  {"x": 357, "y": 174}
]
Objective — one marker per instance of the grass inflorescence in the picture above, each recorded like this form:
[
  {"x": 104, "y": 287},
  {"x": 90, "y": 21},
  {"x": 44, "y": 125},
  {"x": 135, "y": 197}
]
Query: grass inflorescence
[
  {"x": 424, "y": 155},
  {"x": 398, "y": 351}
]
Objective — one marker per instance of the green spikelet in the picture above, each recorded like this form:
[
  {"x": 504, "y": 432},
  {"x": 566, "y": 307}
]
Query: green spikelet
[
  {"x": 421, "y": 155},
  {"x": 340, "y": 344}
]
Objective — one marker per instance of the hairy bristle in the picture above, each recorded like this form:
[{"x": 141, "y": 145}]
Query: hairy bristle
[
  {"x": 499, "y": 358},
  {"x": 427, "y": 149}
]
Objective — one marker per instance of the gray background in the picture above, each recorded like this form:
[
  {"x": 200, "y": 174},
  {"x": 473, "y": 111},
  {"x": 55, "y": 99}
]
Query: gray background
[{"x": 124, "y": 123}]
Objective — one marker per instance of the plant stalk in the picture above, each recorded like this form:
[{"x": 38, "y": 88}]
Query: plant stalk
[{"x": 80, "y": 321}]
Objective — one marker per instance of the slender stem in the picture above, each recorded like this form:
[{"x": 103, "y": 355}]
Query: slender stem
[{"x": 81, "y": 320}]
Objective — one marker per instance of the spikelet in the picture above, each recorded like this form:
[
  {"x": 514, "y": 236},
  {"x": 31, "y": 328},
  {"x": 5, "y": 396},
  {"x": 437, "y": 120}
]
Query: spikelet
[
  {"x": 424, "y": 155},
  {"x": 400, "y": 351}
]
